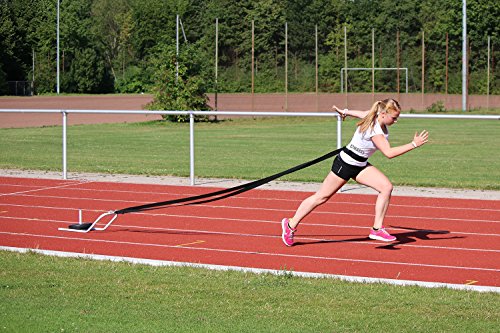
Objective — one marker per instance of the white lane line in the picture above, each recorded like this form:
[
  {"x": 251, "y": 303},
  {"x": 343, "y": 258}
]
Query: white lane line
[
  {"x": 23, "y": 193},
  {"x": 333, "y": 202},
  {"x": 248, "y": 220},
  {"x": 284, "y": 211},
  {"x": 358, "y": 279},
  {"x": 258, "y": 253},
  {"x": 302, "y": 238}
]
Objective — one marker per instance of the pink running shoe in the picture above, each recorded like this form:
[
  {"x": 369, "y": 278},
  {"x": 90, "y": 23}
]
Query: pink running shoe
[
  {"x": 287, "y": 234},
  {"x": 381, "y": 235}
]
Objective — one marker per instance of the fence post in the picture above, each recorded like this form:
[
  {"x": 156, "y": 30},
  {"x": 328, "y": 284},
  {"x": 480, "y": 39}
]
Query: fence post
[
  {"x": 345, "y": 65},
  {"x": 373, "y": 65},
  {"x": 488, "y": 77},
  {"x": 216, "y": 60},
  {"x": 286, "y": 66},
  {"x": 64, "y": 143},
  {"x": 423, "y": 70},
  {"x": 339, "y": 131},
  {"x": 316, "y": 63},
  {"x": 191, "y": 148},
  {"x": 464, "y": 56}
]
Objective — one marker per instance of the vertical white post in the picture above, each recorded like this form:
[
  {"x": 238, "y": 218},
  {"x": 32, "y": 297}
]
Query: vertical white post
[
  {"x": 373, "y": 65},
  {"x": 177, "y": 48},
  {"x": 286, "y": 66},
  {"x": 316, "y": 62},
  {"x": 488, "y": 77},
  {"x": 397, "y": 60},
  {"x": 339, "y": 131},
  {"x": 216, "y": 58},
  {"x": 33, "y": 65},
  {"x": 253, "y": 65},
  {"x": 33, "y": 76},
  {"x": 342, "y": 80},
  {"x": 446, "y": 72},
  {"x": 58, "y": 90},
  {"x": 345, "y": 65},
  {"x": 64, "y": 145},
  {"x": 406, "y": 88},
  {"x": 191, "y": 148},
  {"x": 423, "y": 70},
  {"x": 464, "y": 55}
]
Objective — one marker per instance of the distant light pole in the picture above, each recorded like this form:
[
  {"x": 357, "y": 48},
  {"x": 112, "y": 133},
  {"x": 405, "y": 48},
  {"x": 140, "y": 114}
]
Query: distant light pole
[
  {"x": 176, "y": 49},
  {"x": 57, "y": 86},
  {"x": 464, "y": 55}
]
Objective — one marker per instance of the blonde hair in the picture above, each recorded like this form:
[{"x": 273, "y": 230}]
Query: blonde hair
[{"x": 386, "y": 106}]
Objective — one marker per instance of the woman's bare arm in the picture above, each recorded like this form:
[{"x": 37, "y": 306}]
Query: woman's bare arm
[
  {"x": 352, "y": 113},
  {"x": 390, "y": 152}
]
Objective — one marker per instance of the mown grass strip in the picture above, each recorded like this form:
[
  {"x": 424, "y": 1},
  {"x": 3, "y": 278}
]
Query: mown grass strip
[
  {"x": 48, "y": 294},
  {"x": 460, "y": 154}
]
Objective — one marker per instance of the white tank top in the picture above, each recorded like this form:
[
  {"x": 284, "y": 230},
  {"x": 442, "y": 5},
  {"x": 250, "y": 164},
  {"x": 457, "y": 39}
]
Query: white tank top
[{"x": 361, "y": 144}]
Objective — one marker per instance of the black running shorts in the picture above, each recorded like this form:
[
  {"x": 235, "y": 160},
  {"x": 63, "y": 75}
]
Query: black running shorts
[{"x": 345, "y": 170}]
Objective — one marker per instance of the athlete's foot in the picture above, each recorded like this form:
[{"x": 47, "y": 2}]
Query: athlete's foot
[
  {"x": 287, "y": 232},
  {"x": 381, "y": 235}
]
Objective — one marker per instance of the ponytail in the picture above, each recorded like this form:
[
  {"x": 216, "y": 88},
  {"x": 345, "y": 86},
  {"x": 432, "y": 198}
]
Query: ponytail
[{"x": 387, "y": 105}]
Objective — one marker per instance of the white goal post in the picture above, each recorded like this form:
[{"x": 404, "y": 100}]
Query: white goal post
[{"x": 343, "y": 69}]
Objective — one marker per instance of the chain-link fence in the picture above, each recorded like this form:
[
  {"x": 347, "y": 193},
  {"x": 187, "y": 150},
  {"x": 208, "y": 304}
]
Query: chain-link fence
[{"x": 21, "y": 88}]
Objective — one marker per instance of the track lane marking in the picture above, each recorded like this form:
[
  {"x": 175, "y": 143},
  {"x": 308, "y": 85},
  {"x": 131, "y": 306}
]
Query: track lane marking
[
  {"x": 278, "y": 210},
  {"x": 269, "y": 254},
  {"x": 192, "y": 243},
  {"x": 224, "y": 233},
  {"x": 228, "y": 219},
  {"x": 23, "y": 193},
  {"x": 265, "y": 198},
  {"x": 253, "y": 198}
]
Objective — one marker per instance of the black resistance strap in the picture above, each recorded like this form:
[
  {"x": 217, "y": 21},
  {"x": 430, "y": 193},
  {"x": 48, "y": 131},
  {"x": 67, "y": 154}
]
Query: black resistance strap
[{"x": 218, "y": 195}]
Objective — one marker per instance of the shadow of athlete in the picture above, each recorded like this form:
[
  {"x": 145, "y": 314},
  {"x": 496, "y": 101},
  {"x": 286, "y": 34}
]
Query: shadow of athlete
[{"x": 411, "y": 236}]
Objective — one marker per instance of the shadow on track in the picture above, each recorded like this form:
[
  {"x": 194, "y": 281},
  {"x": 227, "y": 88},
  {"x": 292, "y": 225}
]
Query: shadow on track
[{"x": 411, "y": 236}]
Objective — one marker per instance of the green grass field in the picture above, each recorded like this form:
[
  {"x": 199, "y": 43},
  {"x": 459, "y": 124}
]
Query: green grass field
[
  {"x": 48, "y": 294},
  {"x": 460, "y": 154}
]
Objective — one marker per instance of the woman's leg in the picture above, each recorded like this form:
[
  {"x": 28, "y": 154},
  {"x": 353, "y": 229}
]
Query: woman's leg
[
  {"x": 374, "y": 178},
  {"x": 330, "y": 186}
]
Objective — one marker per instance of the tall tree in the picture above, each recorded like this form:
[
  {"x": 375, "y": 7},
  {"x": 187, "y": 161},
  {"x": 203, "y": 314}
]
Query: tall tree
[{"x": 113, "y": 28}]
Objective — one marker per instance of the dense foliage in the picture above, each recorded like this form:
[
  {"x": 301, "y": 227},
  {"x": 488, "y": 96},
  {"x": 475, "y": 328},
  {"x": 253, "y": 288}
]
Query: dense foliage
[
  {"x": 179, "y": 82},
  {"x": 112, "y": 45}
]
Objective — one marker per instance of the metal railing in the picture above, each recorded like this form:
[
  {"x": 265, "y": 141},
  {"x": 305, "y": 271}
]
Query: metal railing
[{"x": 192, "y": 114}]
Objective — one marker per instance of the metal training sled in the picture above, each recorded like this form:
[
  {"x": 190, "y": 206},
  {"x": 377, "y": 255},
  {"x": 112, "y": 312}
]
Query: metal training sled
[{"x": 86, "y": 227}]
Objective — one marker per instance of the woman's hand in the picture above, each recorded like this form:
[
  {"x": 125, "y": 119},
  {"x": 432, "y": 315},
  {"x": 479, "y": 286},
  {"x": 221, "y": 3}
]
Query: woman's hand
[
  {"x": 420, "y": 139},
  {"x": 342, "y": 112}
]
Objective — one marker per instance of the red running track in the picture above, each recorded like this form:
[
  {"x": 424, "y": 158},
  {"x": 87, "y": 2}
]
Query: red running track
[{"x": 451, "y": 241}]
